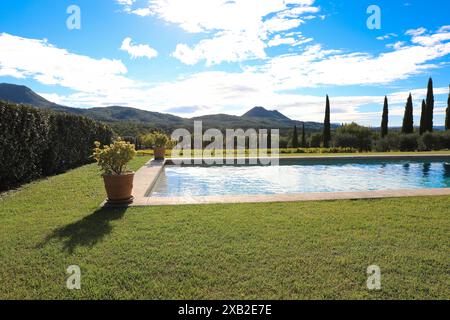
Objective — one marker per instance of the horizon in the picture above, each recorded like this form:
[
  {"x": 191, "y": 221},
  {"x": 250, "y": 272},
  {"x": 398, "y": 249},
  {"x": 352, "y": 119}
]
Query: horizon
[
  {"x": 222, "y": 57},
  {"x": 240, "y": 115}
]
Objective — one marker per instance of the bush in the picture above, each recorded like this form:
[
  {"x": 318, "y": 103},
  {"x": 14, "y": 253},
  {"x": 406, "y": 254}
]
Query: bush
[
  {"x": 353, "y": 136},
  {"x": 445, "y": 139},
  {"x": 382, "y": 145},
  {"x": 156, "y": 140},
  {"x": 23, "y": 139},
  {"x": 434, "y": 141},
  {"x": 345, "y": 140},
  {"x": 113, "y": 159},
  {"x": 71, "y": 139},
  {"x": 428, "y": 141},
  {"x": 321, "y": 150},
  {"x": 39, "y": 142},
  {"x": 315, "y": 140},
  {"x": 408, "y": 142}
]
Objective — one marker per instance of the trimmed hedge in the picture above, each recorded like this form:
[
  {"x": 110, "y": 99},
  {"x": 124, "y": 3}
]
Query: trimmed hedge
[{"x": 35, "y": 142}]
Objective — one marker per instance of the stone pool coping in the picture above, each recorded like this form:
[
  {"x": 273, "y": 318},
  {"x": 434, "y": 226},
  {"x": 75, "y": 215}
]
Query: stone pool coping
[{"x": 146, "y": 177}]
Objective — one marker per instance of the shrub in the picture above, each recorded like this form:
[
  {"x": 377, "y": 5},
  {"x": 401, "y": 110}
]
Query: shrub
[
  {"x": 353, "y": 136},
  {"x": 316, "y": 140},
  {"x": 382, "y": 145},
  {"x": 445, "y": 139},
  {"x": 113, "y": 159},
  {"x": 429, "y": 141},
  {"x": 434, "y": 141},
  {"x": 408, "y": 142},
  {"x": 23, "y": 139},
  {"x": 37, "y": 142},
  {"x": 156, "y": 140},
  {"x": 321, "y": 150},
  {"x": 66, "y": 130}
]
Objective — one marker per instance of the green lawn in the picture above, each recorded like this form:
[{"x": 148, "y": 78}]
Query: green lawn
[{"x": 280, "y": 250}]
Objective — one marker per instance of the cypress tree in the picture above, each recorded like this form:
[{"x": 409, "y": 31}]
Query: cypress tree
[
  {"x": 327, "y": 126},
  {"x": 304, "y": 136},
  {"x": 408, "y": 120},
  {"x": 385, "y": 118},
  {"x": 447, "y": 113},
  {"x": 295, "y": 138},
  {"x": 430, "y": 106},
  {"x": 423, "y": 118}
]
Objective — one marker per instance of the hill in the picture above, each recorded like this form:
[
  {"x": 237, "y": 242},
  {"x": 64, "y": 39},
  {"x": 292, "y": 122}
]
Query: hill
[
  {"x": 131, "y": 121},
  {"x": 260, "y": 112}
]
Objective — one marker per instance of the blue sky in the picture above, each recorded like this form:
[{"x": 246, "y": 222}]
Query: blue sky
[{"x": 200, "y": 57}]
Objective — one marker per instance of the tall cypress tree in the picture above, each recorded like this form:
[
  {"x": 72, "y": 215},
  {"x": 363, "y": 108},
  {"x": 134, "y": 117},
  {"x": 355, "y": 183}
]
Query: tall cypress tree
[
  {"x": 408, "y": 120},
  {"x": 385, "y": 118},
  {"x": 423, "y": 118},
  {"x": 430, "y": 106},
  {"x": 327, "y": 126},
  {"x": 295, "y": 138},
  {"x": 447, "y": 113},
  {"x": 303, "y": 136}
]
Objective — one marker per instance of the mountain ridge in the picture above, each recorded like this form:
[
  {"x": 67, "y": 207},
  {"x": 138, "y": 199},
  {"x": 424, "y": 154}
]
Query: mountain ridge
[{"x": 257, "y": 117}]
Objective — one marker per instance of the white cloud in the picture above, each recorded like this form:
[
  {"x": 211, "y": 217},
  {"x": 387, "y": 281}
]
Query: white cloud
[
  {"x": 216, "y": 50},
  {"x": 429, "y": 40},
  {"x": 316, "y": 66},
  {"x": 387, "y": 36},
  {"x": 416, "y": 32},
  {"x": 102, "y": 82},
  {"x": 138, "y": 50},
  {"x": 288, "y": 40},
  {"x": 125, "y": 2},
  {"x": 397, "y": 45},
  {"x": 237, "y": 15},
  {"x": 235, "y": 31},
  {"x": 39, "y": 60}
]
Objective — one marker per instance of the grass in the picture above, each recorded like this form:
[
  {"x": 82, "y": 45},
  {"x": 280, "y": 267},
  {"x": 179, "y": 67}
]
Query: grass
[{"x": 308, "y": 250}]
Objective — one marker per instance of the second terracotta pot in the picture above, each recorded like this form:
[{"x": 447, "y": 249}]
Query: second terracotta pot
[{"x": 159, "y": 153}]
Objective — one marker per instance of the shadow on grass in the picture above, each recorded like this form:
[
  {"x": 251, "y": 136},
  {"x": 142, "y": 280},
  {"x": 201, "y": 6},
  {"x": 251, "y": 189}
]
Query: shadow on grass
[{"x": 87, "y": 231}]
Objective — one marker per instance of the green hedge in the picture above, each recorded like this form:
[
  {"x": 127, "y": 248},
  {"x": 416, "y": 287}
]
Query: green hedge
[{"x": 35, "y": 142}]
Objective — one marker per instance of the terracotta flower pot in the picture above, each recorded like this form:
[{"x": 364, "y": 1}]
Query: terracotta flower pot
[
  {"x": 160, "y": 153},
  {"x": 119, "y": 188}
]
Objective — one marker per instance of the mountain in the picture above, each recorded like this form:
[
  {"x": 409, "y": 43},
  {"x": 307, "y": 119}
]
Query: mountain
[
  {"x": 260, "y": 112},
  {"x": 21, "y": 94},
  {"x": 129, "y": 121},
  {"x": 114, "y": 115},
  {"x": 117, "y": 113}
]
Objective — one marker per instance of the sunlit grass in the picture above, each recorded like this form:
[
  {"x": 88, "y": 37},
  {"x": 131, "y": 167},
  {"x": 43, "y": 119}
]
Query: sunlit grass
[{"x": 251, "y": 251}]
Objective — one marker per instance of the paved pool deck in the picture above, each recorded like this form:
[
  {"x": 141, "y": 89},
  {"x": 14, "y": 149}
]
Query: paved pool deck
[{"x": 147, "y": 176}]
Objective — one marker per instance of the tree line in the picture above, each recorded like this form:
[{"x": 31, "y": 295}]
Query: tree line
[{"x": 364, "y": 139}]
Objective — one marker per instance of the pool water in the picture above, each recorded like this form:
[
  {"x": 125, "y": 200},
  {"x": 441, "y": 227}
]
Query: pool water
[{"x": 292, "y": 177}]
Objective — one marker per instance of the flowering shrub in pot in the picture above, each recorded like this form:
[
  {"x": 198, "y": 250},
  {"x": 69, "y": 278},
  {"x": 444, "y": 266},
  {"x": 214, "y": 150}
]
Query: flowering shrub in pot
[
  {"x": 113, "y": 160},
  {"x": 158, "y": 141}
]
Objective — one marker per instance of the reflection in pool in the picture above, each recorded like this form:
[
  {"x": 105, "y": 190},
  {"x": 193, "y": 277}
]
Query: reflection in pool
[{"x": 329, "y": 176}]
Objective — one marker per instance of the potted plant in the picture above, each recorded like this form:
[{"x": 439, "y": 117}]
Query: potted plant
[
  {"x": 113, "y": 160},
  {"x": 158, "y": 141}
]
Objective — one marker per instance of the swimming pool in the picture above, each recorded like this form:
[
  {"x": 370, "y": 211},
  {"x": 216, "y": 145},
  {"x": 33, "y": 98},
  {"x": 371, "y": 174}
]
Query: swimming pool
[{"x": 303, "y": 176}]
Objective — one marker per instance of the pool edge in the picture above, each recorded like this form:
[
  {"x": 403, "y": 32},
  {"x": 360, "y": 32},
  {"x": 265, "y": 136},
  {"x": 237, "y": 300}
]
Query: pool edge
[
  {"x": 295, "y": 197},
  {"x": 147, "y": 176}
]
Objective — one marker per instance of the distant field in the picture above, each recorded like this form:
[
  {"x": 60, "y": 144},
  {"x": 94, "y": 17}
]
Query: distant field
[{"x": 308, "y": 250}]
